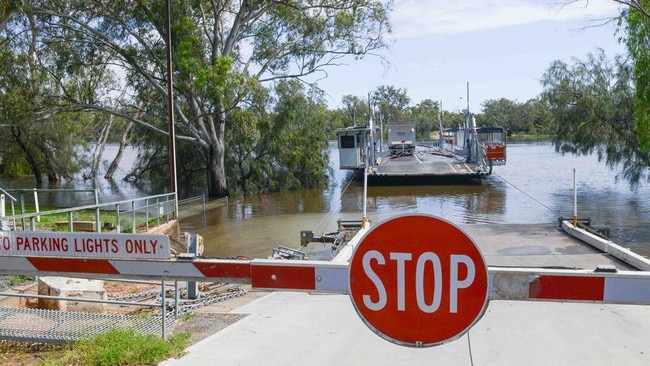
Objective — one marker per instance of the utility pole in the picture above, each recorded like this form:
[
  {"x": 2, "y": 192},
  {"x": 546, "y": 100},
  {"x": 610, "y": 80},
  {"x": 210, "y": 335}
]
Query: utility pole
[{"x": 170, "y": 108}]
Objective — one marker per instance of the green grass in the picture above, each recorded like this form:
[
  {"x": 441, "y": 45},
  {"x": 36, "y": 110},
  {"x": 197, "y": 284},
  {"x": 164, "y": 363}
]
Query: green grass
[
  {"x": 120, "y": 347},
  {"x": 49, "y": 221},
  {"x": 16, "y": 280}
]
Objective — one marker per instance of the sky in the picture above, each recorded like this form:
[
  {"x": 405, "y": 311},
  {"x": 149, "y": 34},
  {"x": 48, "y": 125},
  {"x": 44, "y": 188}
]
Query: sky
[{"x": 500, "y": 47}]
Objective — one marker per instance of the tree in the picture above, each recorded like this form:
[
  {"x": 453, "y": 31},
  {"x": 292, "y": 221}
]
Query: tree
[
  {"x": 538, "y": 119},
  {"x": 425, "y": 116},
  {"x": 532, "y": 117},
  {"x": 357, "y": 110},
  {"x": 39, "y": 69},
  {"x": 503, "y": 113},
  {"x": 392, "y": 103},
  {"x": 221, "y": 51},
  {"x": 299, "y": 141},
  {"x": 452, "y": 119},
  {"x": 635, "y": 23},
  {"x": 592, "y": 102},
  {"x": 637, "y": 29},
  {"x": 282, "y": 149}
]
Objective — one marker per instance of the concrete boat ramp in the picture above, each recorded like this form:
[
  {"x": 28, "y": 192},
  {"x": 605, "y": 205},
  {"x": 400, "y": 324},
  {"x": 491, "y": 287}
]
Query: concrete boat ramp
[{"x": 291, "y": 328}]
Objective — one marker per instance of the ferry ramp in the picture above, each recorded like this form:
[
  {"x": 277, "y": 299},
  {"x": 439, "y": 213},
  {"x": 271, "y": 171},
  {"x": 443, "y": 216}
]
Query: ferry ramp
[{"x": 420, "y": 167}]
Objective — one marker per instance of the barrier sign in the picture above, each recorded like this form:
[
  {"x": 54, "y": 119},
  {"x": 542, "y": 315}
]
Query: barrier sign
[
  {"x": 418, "y": 280},
  {"x": 87, "y": 245}
]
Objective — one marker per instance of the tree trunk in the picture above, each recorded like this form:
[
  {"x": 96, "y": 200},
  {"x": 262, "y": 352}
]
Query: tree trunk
[
  {"x": 217, "y": 186},
  {"x": 54, "y": 172},
  {"x": 99, "y": 149},
  {"x": 124, "y": 142},
  {"x": 31, "y": 159}
]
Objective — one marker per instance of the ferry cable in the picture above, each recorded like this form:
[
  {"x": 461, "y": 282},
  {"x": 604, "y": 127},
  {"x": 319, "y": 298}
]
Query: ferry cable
[{"x": 526, "y": 194}]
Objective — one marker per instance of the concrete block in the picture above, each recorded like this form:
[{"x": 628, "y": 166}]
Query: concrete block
[{"x": 72, "y": 288}]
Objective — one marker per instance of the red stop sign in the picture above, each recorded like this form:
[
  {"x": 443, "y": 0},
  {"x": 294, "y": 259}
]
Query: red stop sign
[{"x": 418, "y": 280}]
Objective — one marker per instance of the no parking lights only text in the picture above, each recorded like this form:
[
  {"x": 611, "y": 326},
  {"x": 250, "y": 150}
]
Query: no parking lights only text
[{"x": 93, "y": 245}]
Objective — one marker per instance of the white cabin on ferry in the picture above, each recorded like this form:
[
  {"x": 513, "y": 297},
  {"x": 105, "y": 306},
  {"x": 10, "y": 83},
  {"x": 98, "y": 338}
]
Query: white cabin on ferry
[{"x": 354, "y": 147}]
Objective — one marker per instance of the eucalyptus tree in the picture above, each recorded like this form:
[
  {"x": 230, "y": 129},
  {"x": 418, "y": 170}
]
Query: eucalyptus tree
[
  {"x": 298, "y": 138},
  {"x": 425, "y": 116},
  {"x": 8, "y": 8},
  {"x": 222, "y": 51},
  {"x": 391, "y": 103},
  {"x": 40, "y": 70},
  {"x": 592, "y": 103},
  {"x": 452, "y": 119},
  {"x": 505, "y": 113},
  {"x": 636, "y": 24},
  {"x": 357, "y": 110},
  {"x": 283, "y": 146}
]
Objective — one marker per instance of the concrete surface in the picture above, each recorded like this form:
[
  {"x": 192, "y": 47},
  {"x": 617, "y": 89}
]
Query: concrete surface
[
  {"x": 293, "y": 328},
  {"x": 290, "y": 328}
]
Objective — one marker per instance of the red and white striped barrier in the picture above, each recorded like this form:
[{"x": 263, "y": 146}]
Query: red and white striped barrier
[{"x": 628, "y": 287}]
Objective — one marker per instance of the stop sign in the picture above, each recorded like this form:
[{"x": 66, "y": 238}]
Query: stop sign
[{"x": 418, "y": 280}]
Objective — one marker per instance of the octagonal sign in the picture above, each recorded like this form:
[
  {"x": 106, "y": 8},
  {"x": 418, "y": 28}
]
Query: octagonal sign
[{"x": 418, "y": 280}]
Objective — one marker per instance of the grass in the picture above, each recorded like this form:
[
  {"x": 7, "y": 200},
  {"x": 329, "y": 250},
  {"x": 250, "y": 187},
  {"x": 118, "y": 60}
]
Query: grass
[
  {"x": 49, "y": 221},
  {"x": 120, "y": 347},
  {"x": 186, "y": 317},
  {"x": 16, "y": 280}
]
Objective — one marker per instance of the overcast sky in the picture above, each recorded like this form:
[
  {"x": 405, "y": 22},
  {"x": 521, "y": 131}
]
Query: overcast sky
[{"x": 500, "y": 47}]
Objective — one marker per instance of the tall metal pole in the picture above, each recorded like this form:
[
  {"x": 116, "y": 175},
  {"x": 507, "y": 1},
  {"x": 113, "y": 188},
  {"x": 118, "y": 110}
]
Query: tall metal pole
[{"x": 170, "y": 108}]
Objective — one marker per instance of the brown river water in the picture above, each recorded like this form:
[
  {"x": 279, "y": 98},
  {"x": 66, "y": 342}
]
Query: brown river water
[{"x": 534, "y": 187}]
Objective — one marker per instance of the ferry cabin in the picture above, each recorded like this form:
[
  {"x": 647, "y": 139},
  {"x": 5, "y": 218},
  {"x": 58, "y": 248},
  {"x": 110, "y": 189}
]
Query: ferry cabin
[{"x": 355, "y": 147}]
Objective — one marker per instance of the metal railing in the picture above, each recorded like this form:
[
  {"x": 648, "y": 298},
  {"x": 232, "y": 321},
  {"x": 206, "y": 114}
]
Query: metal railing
[
  {"x": 65, "y": 326},
  {"x": 129, "y": 215}
]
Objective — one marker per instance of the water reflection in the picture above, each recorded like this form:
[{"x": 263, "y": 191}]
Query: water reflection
[{"x": 471, "y": 203}]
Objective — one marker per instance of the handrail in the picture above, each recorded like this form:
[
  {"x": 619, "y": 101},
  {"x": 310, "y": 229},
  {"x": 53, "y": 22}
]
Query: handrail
[
  {"x": 160, "y": 201},
  {"x": 87, "y": 207},
  {"x": 7, "y": 193}
]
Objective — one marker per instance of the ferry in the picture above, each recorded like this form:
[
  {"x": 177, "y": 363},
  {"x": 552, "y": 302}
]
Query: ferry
[{"x": 463, "y": 153}]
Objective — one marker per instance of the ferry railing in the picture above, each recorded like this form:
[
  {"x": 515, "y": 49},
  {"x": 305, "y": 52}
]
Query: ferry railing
[{"x": 482, "y": 157}]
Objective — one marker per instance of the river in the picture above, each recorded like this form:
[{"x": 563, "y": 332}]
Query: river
[{"x": 535, "y": 186}]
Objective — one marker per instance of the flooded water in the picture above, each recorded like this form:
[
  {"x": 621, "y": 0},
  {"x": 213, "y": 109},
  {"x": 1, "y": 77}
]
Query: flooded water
[
  {"x": 108, "y": 191},
  {"x": 535, "y": 186}
]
